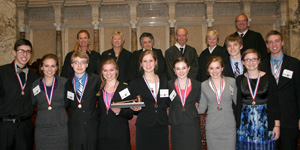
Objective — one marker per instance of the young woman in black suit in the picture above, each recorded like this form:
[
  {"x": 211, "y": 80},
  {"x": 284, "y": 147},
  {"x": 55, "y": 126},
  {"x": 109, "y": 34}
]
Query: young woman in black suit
[
  {"x": 152, "y": 121},
  {"x": 113, "y": 128}
]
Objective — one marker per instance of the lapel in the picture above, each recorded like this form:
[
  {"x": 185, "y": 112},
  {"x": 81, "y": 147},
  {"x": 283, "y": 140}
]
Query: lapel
[
  {"x": 285, "y": 64},
  {"x": 144, "y": 87},
  {"x": 177, "y": 97},
  {"x": 213, "y": 92}
]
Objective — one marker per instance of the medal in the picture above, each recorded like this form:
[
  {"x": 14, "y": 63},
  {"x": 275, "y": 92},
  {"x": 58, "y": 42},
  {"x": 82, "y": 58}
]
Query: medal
[
  {"x": 276, "y": 74},
  {"x": 154, "y": 91},
  {"x": 218, "y": 97},
  {"x": 183, "y": 98},
  {"x": 85, "y": 83},
  {"x": 183, "y": 110},
  {"x": 49, "y": 99},
  {"x": 106, "y": 99},
  {"x": 253, "y": 95},
  {"x": 20, "y": 80}
]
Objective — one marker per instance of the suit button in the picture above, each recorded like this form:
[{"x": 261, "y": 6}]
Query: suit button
[
  {"x": 83, "y": 111},
  {"x": 84, "y": 122}
]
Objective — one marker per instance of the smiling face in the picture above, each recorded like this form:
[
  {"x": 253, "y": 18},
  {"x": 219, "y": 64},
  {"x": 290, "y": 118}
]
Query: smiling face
[
  {"x": 241, "y": 23},
  {"x": 83, "y": 40},
  {"x": 212, "y": 41},
  {"x": 117, "y": 41},
  {"x": 181, "y": 70},
  {"x": 22, "y": 57},
  {"x": 181, "y": 36},
  {"x": 234, "y": 48},
  {"x": 79, "y": 66},
  {"x": 275, "y": 44},
  {"x": 147, "y": 43},
  {"x": 49, "y": 67},
  {"x": 251, "y": 61},
  {"x": 215, "y": 70},
  {"x": 109, "y": 72},
  {"x": 148, "y": 63}
]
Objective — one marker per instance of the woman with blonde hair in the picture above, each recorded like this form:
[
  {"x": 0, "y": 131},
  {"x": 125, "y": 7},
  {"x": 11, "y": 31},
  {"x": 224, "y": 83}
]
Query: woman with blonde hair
[
  {"x": 83, "y": 44},
  {"x": 120, "y": 54}
]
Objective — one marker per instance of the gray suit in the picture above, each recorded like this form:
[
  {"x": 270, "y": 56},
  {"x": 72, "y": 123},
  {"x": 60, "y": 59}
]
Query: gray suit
[{"x": 220, "y": 124}]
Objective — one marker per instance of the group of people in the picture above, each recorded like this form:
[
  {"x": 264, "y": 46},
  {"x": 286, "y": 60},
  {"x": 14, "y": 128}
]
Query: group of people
[{"x": 252, "y": 99}]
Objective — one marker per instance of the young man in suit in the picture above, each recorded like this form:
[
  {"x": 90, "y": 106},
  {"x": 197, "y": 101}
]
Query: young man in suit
[
  {"x": 286, "y": 71},
  {"x": 181, "y": 49},
  {"x": 233, "y": 64},
  {"x": 16, "y": 126},
  {"x": 81, "y": 99},
  {"x": 251, "y": 39}
]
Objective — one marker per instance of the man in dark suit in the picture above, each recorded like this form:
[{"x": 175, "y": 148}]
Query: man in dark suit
[
  {"x": 286, "y": 71},
  {"x": 147, "y": 43},
  {"x": 181, "y": 49},
  {"x": 251, "y": 39},
  {"x": 16, "y": 126}
]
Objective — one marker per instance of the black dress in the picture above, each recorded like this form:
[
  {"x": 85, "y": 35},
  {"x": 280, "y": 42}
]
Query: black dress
[
  {"x": 123, "y": 62},
  {"x": 152, "y": 131}
]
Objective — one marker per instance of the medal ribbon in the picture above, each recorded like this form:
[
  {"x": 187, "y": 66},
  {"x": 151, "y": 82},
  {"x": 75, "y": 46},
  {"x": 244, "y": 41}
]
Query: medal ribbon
[
  {"x": 107, "y": 101},
  {"x": 20, "y": 81},
  {"x": 49, "y": 99},
  {"x": 183, "y": 99},
  {"x": 85, "y": 83},
  {"x": 218, "y": 97},
  {"x": 275, "y": 74},
  {"x": 154, "y": 93},
  {"x": 253, "y": 95}
]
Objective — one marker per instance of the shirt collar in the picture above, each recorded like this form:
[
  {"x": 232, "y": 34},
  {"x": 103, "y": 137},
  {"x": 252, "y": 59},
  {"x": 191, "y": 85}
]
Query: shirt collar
[
  {"x": 242, "y": 32},
  {"x": 211, "y": 50},
  {"x": 178, "y": 46},
  {"x": 145, "y": 49},
  {"x": 83, "y": 77},
  {"x": 280, "y": 58}
]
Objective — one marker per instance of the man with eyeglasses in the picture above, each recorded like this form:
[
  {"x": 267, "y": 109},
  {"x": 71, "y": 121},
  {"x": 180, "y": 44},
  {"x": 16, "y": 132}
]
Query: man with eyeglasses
[
  {"x": 16, "y": 126},
  {"x": 251, "y": 39},
  {"x": 286, "y": 71}
]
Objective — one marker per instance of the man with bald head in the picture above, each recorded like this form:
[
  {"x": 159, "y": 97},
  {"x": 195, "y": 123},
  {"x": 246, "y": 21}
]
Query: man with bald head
[
  {"x": 251, "y": 39},
  {"x": 181, "y": 49}
]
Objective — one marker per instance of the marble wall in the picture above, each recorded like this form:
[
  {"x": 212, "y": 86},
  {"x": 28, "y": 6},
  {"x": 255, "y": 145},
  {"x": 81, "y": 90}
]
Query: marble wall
[{"x": 8, "y": 31}]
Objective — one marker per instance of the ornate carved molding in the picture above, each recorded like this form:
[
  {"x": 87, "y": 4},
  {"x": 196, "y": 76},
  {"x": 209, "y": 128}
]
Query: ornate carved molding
[
  {"x": 115, "y": 11},
  {"x": 78, "y": 13},
  {"x": 40, "y": 13},
  {"x": 152, "y": 10},
  {"x": 190, "y": 10}
]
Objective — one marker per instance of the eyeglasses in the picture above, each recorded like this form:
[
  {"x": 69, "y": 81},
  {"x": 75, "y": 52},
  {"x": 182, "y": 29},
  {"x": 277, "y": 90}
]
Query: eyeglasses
[
  {"x": 249, "y": 60},
  {"x": 244, "y": 20},
  {"x": 22, "y": 51},
  {"x": 81, "y": 63}
]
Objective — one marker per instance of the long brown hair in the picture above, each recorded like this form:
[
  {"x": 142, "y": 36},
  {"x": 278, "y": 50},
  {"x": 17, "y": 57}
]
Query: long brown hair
[
  {"x": 143, "y": 54},
  {"x": 77, "y": 46}
]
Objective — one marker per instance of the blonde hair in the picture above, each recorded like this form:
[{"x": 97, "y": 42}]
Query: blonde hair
[
  {"x": 80, "y": 54},
  {"x": 212, "y": 33},
  {"x": 108, "y": 60},
  {"x": 120, "y": 34},
  {"x": 77, "y": 46}
]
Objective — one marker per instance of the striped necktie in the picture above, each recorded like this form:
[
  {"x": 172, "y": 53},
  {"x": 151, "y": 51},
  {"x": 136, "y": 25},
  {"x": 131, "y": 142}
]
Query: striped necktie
[
  {"x": 236, "y": 64},
  {"x": 80, "y": 87}
]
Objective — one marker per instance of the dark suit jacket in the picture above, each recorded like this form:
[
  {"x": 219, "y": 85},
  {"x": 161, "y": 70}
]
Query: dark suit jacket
[
  {"x": 190, "y": 53},
  {"x": 148, "y": 116},
  {"x": 288, "y": 91},
  {"x": 202, "y": 72},
  {"x": 83, "y": 122},
  {"x": 114, "y": 126},
  {"x": 134, "y": 69},
  {"x": 123, "y": 62},
  {"x": 190, "y": 115},
  {"x": 254, "y": 40},
  {"x": 94, "y": 65},
  {"x": 12, "y": 103},
  {"x": 228, "y": 72}
]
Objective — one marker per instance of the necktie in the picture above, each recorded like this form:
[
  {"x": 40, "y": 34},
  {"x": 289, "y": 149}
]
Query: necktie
[
  {"x": 181, "y": 50},
  {"x": 236, "y": 64},
  {"x": 80, "y": 87},
  {"x": 276, "y": 66},
  {"x": 19, "y": 70},
  {"x": 242, "y": 35}
]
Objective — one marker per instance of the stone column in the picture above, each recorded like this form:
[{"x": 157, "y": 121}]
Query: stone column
[
  {"x": 247, "y": 10},
  {"x": 8, "y": 30},
  {"x": 21, "y": 20},
  {"x": 58, "y": 26},
  {"x": 210, "y": 14},
  {"x": 133, "y": 23},
  {"x": 294, "y": 28},
  {"x": 95, "y": 17},
  {"x": 172, "y": 21}
]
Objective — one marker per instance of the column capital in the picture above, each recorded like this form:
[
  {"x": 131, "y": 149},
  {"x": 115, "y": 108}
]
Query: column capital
[
  {"x": 210, "y": 2},
  {"x": 210, "y": 22},
  {"x": 96, "y": 24},
  {"x": 172, "y": 23},
  {"x": 22, "y": 27},
  {"x": 133, "y": 3},
  {"x": 133, "y": 24},
  {"x": 58, "y": 26}
]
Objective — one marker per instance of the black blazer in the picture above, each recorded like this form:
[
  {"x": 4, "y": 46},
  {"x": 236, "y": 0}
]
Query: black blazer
[
  {"x": 288, "y": 91},
  {"x": 13, "y": 104},
  {"x": 83, "y": 121},
  {"x": 228, "y": 72},
  {"x": 202, "y": 59},
  {"x": 134, "y": 69},
  {"x": 114, "y": 126},
  {"x": 190, "y": 115},
  {"x": 148, "y": 116},
  {"x": 123, "y": 62},
  {"x": 94, "y": 65}
]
